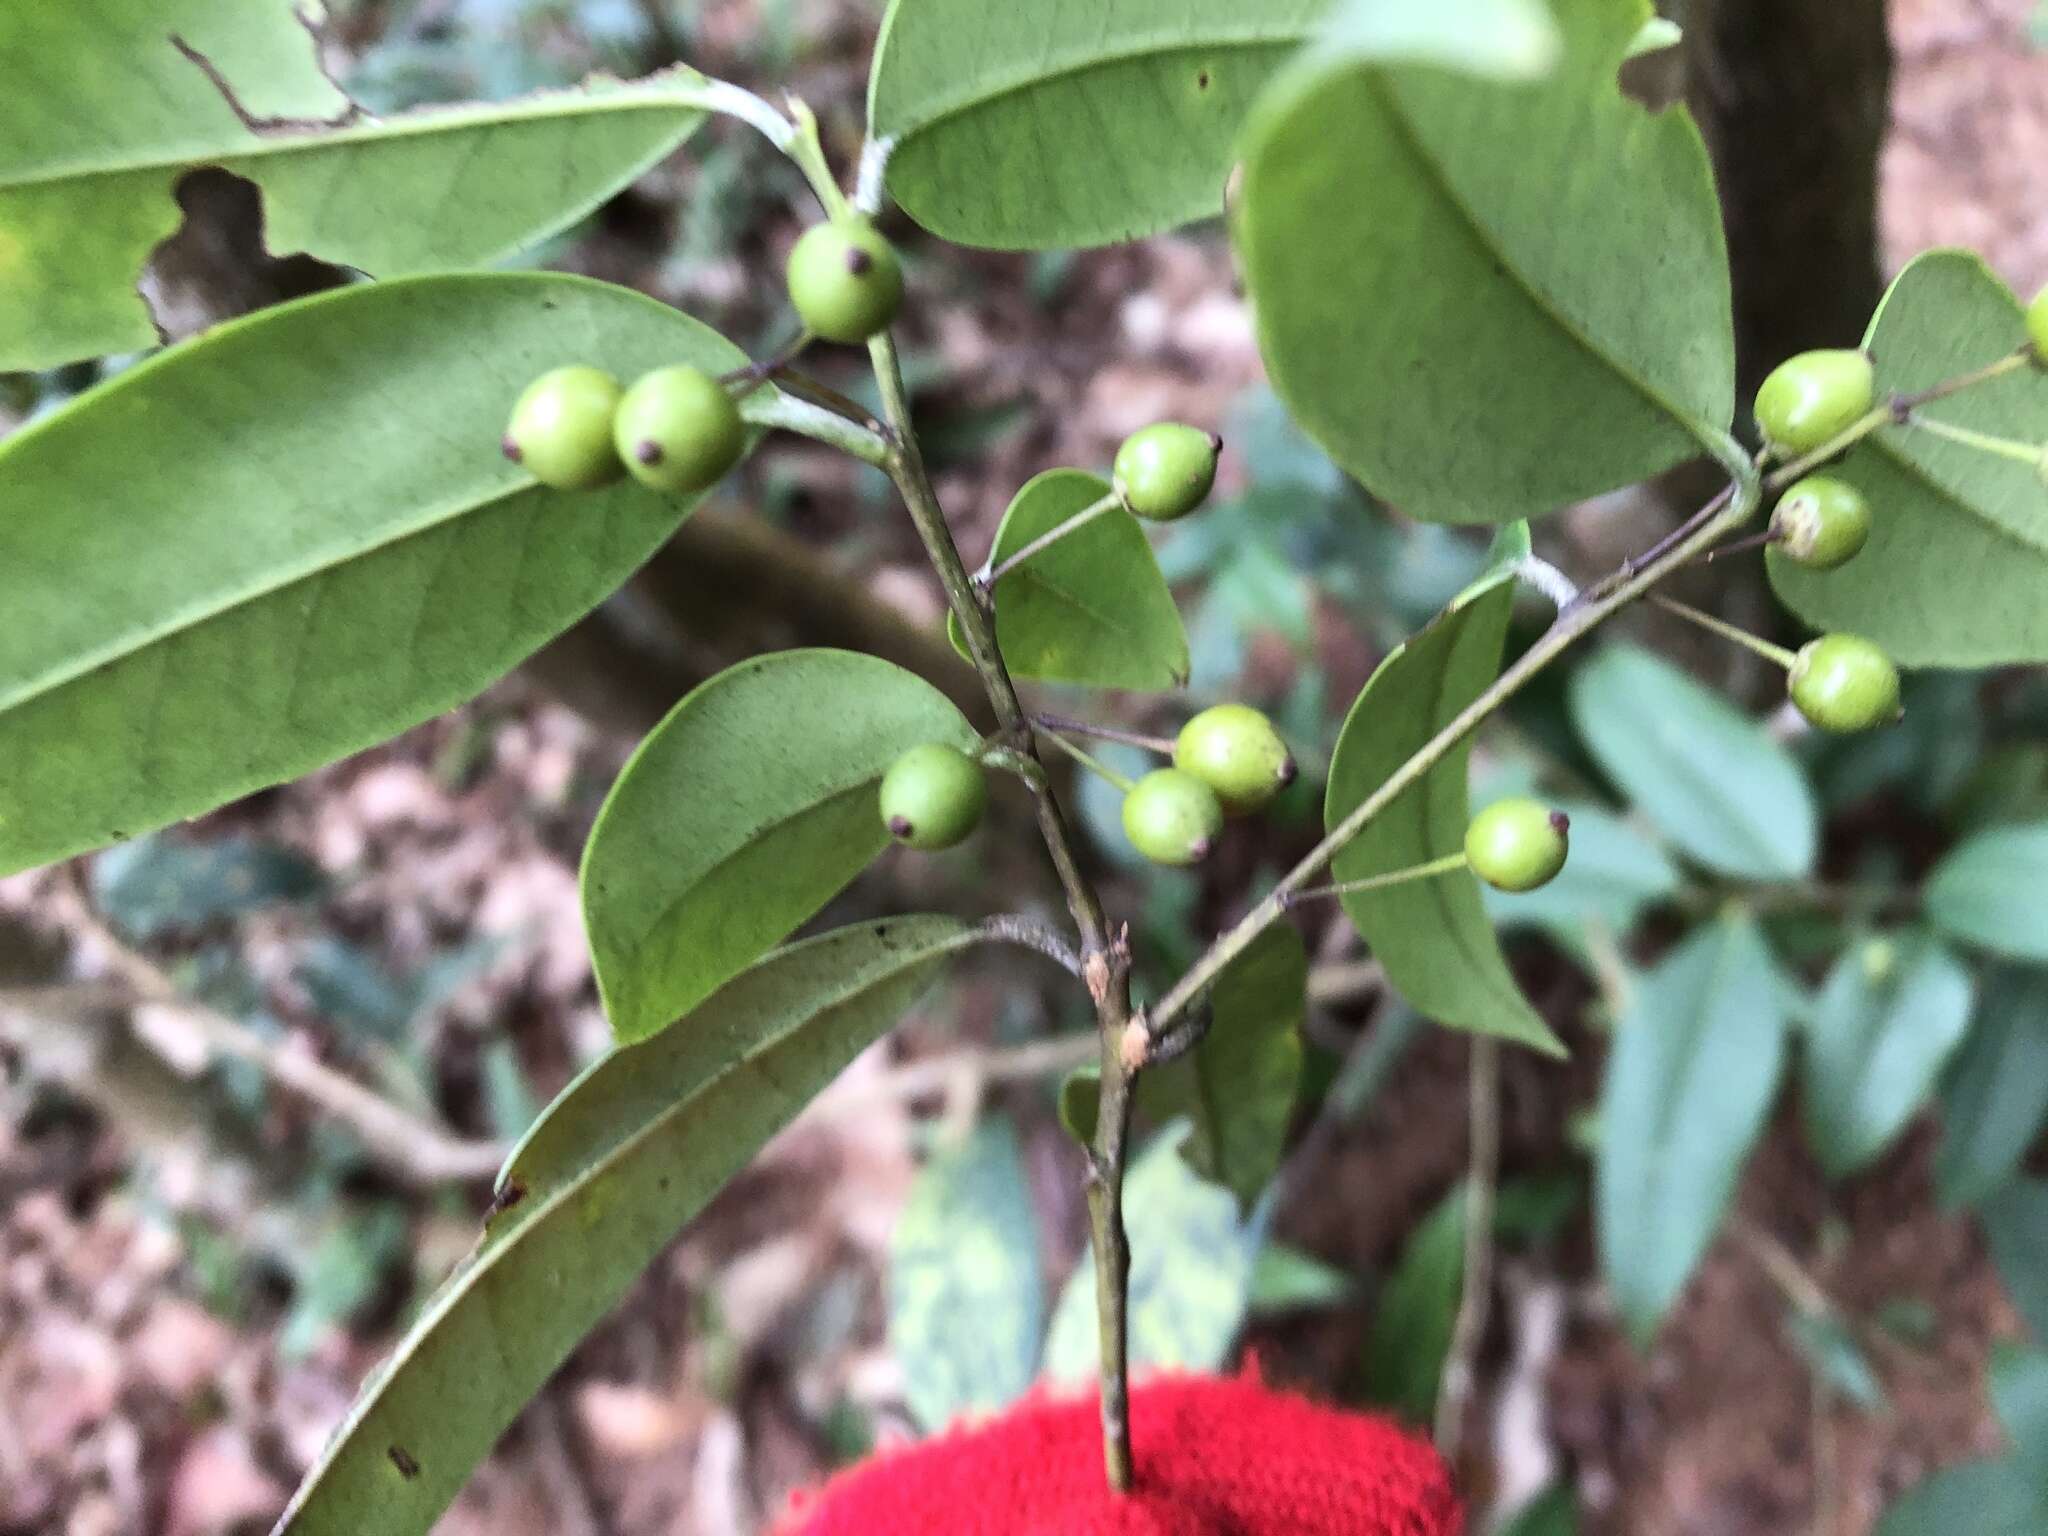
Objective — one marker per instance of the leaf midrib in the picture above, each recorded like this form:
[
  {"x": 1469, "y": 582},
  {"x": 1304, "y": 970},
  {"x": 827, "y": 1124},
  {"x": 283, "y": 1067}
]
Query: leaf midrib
[
  {"x": 419, "y": 122},
  {"x": 1017, "y": 82},
  {"x": 1889, "y": 444},
  {"x": 1381, "y": 83}
]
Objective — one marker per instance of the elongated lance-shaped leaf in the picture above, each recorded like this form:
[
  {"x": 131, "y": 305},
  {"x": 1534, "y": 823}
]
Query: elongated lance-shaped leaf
[
  {"x": 1433, "y": 936},
  {"x": 743, "y": 813},
  {"x": 1995, "y": 1101},
  {"x": 628, "y": 1152},
  {"x": 104, "y": 111},
  {"x": 1090, "y": 608},
  {"x": 294, "y": 537},
  {"x": 1479, "y": 333},
  {"x": 1958, "y": 553},
  {"x": 1987, "y": 891},
  {"x": 1031, "y": 127},
  {"x": 1694, "y": 1068}
]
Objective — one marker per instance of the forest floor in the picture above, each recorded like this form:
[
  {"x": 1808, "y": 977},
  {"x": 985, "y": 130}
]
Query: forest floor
[{"x": 190, "y": 1294}]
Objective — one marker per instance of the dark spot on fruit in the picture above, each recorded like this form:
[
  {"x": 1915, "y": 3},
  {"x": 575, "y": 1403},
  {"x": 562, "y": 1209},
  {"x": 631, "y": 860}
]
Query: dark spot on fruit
[
  {"x": 1560, "y": 823},
  {"x": 402, "y": 1459},
  {"x": 899, "y": 826},
  {"x": 858, "y": 261},
  {"x": 1215, "y": 442},
  {"x": 647, "y": 451},
  {"x": 511, "y": 450},
  {"x": 1202, "y": 81},
  {"x": 1200, "y": 847},
  {"x": 1289, "y": 772}
]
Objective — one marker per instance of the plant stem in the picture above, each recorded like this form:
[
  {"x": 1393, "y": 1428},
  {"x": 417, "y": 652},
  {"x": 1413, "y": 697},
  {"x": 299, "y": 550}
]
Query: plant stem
[
  {"x": 1476, "y": 1292},
  {"x": 2012, "y": 362},
  {"x": 1721, "y": 516},
  {"x": 1429, "y": 871},
  {"x": 1089, "y": 761},
  {"x": 1762, "y": 540},
  {"x": 1161, "y": 744},
  {"x": 989, "y": 575},
  {"x": 1984, "y": 442},
  {"x": 777, "y": 408},
  {"x": 1724, "y": 629},
  {"x": 1105, "y": 963}
]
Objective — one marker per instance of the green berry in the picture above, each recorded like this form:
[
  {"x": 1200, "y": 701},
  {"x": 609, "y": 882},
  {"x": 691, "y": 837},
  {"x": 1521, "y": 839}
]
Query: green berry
[
  {"x": 1517, "y": 844},
  {"x": 678, "y": 430},
  {"x": 1821, "y": 523},
  {"x": 1165, "y": 470},
  {"x": 1813, "y": 397},
  {"x": 2037, "y": 325},
  {"x": 1844, "y": 683},
  {"x": 561, "y": 429},
  {"x": 1234, "y": 750},
  {"x": 844, "y": 280},
  {"x": 1172, "y": 817},
  {"x": 933, "y": 796}
]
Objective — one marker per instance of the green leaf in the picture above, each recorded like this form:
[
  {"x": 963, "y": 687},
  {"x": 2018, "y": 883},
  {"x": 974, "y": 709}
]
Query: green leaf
[
  {"x": 1285, "y": 1279},
  {"x": 1958, "y": 552},
  {"x": 1613, "y": 873},
  {"x": 1983, "y": 1498},
  {"x": 1836, "y": 1359},
  {"x": 1432, "y": 936},
  {"x": 2016, "y": 1230},
  {"x": 1690, "y": 1081},
  {"x": 1889, "y": 1018},
  {"x": 2019, "y": 1392},
  {"x": 293, "y": 538},
  {"x": 966, "y": 1307},
  {"x": 1709, "y": 777},
  {"x": 1237, "y": 1087},
  {"x": 1417, "y": 1313},
  {"x": 1987, "y": 891},
  {"x": 1996, "y": 1098},
  {"x": 1454, "y": 338},
  {"x": 628, "y": 1152},
  {"x": 1028, "y": 128},
  {"x": 1553, "y": 1512},
  {"x": 1091, "y": 608},
  {"x": 1191, "y": 1269},
  {"x": 153, "y": 886},
  {"x": 741, "y": 814},
  {"x": 105, "y": 115}
]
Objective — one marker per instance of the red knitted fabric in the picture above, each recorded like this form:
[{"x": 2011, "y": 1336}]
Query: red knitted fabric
[{"x": 1214, "y": 1457}]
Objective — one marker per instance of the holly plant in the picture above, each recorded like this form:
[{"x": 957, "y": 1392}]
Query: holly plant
[{"x": 1487, "y": 284}]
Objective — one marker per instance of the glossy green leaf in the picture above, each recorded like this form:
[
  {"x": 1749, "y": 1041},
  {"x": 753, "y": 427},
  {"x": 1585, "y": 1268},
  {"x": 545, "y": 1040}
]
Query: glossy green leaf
[
  {"x": 1091, "y": 608},
  {"x": 1417, "y": 1312},
  {"x": 154, "y": 886},
  {"x": 1237, "y": 1087},
  {"x": 1613, "y": 873},
  {"x": 2019, "y": 1393},
  {"x": 1958, "y": 552},
  {"x": 1988, "y": 892},
  {"x": 1709, "y": 777},
  {"x": 1432, "y": 936},
  {"x": 104, "y": 114},
  {"x": 1191, "y": 1268},
  {"x": 1690, "y": 1080},
  {"x": 1886, "y": 1023},
  {"x": 1995, "y": 1102},
  {"x": 2016, "y": 1230},
  {"x": 966, "y": 1300},
  {"x": 743, "y": 813},
  {"x": 1981, "y": 1498},
  {"x": 628, "y": 1152},
  {"x": 294, "y": 537},
  {"x": 1488, "y": 334}
]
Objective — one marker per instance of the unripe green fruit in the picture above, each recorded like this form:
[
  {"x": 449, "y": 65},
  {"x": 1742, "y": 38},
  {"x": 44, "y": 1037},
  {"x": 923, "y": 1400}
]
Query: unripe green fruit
[
  {"x": 845, "y": 280},
  {"x": 561, "y": 429},
  {"x": 1821, "y": 523},
  {"x": 1234, "y": 750},
  {"x": 2037, "y": 325},
  {"x": 1165, "y": 470},
  {"x": 1844, "y": 683},
  {"x": 933, "y": 796},
  {"x": 1813, "y": 397},
  {"x": 1517, "y": 844},
  {"x": 1172, "y": 817},
  {"x": 678, "y": 430}
]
